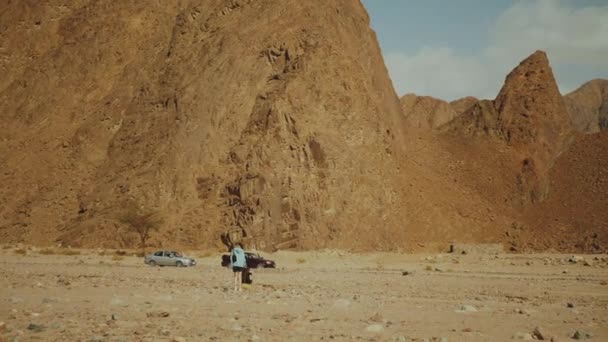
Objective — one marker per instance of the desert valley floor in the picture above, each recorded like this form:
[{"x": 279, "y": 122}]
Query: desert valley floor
[{"x": 326, "y": 295}]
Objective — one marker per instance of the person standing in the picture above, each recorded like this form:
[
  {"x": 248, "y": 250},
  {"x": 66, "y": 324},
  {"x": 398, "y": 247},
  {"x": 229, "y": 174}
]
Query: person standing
[{"x": 239, "y": 263}]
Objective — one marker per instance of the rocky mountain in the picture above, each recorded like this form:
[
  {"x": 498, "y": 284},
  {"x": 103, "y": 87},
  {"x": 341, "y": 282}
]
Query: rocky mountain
[
  {"x": 463, "y": 104},
  {"x": 530, "y": 116},
  {"x": 426, "y": 112},
  {"x": 588, "y": 106},
  {"x": 274, "y": 119}
]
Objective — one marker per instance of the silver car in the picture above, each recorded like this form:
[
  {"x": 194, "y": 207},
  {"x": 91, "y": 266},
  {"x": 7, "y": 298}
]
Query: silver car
[{"x": 168, "y": 258}]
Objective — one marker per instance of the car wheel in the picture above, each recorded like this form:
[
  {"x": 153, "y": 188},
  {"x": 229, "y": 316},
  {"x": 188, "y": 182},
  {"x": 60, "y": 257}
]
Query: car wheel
[
  {"x": 152, "y": 263},
  {"x": 179, "y": 264}
]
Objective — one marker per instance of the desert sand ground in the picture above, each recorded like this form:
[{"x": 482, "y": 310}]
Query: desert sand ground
[{"x": 326, "y": 295}]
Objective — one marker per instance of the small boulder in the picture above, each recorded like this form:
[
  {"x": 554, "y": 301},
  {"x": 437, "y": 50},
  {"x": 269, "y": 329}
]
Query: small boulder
[
  {"x": 160, "y": 314},
  {"x": 374, "y": 328},
  {"x": 36, "y": 327},
  {"x": 523, "y": 336},
  {"x": 377, "y": 317},
  {"x": 467, "y": 308},
  {"x": 581, "y": 335},
  {"x": 540, "y": 334},
  {"x": 575, "y": 259},
  {"x": 341, "y": 303}
]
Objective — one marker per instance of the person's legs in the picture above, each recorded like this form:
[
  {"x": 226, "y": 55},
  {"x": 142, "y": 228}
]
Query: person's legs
[
  {"x": 240, "y": 279},
  {"x": 236, "y": 280}
]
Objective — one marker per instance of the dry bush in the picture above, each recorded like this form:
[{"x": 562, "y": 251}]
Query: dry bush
[
  {"x": 300, "y": 260},
  {"x": 21, "y": 251},
  {"x": 120, "y": 253},
  {"x": 6, "y": 247},
  {"x": 47, "y": 251},
  {"x": 117, "y": 257},
  {"x": 140, "y": 254},
  {"x": 141, "y": 221},
  {"x": 429, "y": 268}
]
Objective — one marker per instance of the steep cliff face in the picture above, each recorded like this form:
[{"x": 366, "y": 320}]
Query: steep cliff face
[
  {"x": 277, "y": 117},
  {"x": 529, "y": 115},
  {"x": 588, "y": 106}
]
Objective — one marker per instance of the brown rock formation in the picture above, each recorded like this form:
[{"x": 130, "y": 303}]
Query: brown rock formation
[
  {"x": 530, "y": 116},
  {"x": 214, "y": 113},
  {"x": 426, "y": 112},
  {"x": 588, "y": 106},
  {"x": 463, "y": 104}
]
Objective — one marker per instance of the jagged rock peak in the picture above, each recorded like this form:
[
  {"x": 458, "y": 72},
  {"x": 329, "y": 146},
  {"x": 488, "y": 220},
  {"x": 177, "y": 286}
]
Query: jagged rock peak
[{"x": 530, "y": 104}]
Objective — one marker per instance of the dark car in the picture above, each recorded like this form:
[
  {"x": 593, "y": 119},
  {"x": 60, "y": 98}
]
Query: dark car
[{"x": 253, "y": 260}]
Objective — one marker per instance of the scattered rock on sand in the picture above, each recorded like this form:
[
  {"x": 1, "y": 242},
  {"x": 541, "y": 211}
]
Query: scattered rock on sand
[
  {"x": 581, "y": 335},
  {"x": 36, "y": 327},
  {"x": 161, "y": 314},
  {"x": 374, "y": 328},
  {"x": 570, "y": 305},
  {"x": 540, "y": 334},
  {"x": 377, "y": 317},
  {"x": 341, "y": 303},
  {"x": 179, "y": 339},
  {"x": 96, "y": 339},
  {"x": 2, "y": 326},
  {"x": 467, "y": 308},
  {"x": 523, "y": 336},
  {"x": 575, "y": 259}
]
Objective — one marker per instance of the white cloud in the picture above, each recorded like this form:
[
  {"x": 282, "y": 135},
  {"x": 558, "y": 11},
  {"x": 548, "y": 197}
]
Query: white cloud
[{"x": 571, "y": 36}]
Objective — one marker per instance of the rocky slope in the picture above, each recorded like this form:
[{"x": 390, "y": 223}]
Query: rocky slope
[
  {"x": 588, "y": 106},
  {"x": 574, "y": 216}
]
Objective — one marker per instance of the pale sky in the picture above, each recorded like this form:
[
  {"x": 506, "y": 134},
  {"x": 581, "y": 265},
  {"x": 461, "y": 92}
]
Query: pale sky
[{"x": 451, "y": 49}]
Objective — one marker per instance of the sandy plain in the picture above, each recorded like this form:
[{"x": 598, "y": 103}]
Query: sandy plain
[{"x": 97, "y": 295}]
